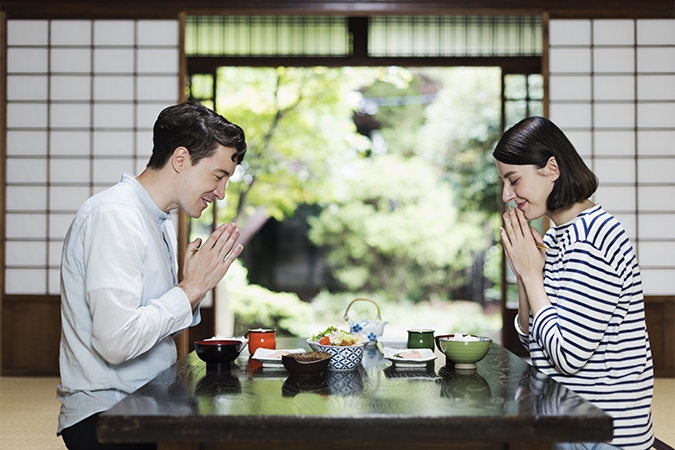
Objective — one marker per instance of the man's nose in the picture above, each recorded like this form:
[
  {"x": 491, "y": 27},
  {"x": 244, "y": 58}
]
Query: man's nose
[{"x": 220, "y": 190}]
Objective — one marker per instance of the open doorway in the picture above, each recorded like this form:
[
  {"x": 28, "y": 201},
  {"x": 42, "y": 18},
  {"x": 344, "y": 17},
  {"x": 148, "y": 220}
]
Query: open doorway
[{"x": 398, "y": 112}]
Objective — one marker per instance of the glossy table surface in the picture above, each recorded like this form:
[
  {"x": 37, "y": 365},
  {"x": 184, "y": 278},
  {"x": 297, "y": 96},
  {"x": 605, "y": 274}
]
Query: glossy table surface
[{"x": 503, "y": 400}]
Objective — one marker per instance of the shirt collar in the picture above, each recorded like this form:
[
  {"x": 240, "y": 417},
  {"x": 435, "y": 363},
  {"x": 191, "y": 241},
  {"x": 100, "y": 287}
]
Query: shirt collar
[{"x": 147, "y": 201}]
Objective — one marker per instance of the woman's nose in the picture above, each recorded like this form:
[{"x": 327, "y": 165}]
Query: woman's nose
[{"x": 507, "y": 193}]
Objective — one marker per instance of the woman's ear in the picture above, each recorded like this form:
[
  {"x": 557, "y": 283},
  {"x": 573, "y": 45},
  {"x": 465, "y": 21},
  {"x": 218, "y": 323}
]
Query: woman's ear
[
  {"x": 552, "y": 168},
  {"x": 180, "y": 159}
]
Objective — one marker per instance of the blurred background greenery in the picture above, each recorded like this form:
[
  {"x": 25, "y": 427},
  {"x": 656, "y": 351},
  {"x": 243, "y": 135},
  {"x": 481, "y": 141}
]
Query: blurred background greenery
[{"x": 362, "y": 182}]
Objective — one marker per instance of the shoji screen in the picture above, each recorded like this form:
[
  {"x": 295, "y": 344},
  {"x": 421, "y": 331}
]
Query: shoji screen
[
  {"x": 82, "y": 96},
  {"x": 612, "y": 90}
]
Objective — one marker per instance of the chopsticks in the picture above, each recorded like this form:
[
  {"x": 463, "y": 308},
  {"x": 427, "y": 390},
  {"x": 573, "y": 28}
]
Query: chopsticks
[{"x": 542, "y": 246}]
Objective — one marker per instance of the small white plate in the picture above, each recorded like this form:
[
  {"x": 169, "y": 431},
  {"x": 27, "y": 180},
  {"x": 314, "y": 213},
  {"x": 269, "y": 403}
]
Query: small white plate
[
  {"x": 222, "y": 338},
  {"x": 398, "y": 343},
  {"x": 272, "y": 358},
  {"x": 394, "y": 355}
]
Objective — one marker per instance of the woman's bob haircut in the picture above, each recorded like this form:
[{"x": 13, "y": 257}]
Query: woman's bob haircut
[{"x": 534, "y": 141}]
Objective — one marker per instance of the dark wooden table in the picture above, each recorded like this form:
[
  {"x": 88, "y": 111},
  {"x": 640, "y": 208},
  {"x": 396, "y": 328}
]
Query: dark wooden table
[{"x": 505, "y": 403}]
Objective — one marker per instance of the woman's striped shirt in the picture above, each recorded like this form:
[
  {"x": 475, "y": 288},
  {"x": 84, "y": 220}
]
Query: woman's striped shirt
[{"x": 593, "y": 339}]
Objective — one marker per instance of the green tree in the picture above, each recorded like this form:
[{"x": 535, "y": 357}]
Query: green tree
[
  {"x": 394, "y": 229},
  {"x": 461, "y": 129}
]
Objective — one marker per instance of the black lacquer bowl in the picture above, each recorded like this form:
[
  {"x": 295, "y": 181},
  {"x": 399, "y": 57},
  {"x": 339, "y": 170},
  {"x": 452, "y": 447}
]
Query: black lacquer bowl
[
  {"x": 217, "y": 351},
  {"x": 308, "y": 363}
]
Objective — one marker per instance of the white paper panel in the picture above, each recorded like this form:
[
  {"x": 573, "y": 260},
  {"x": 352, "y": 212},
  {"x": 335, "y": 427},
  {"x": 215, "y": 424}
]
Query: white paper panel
[
  {"x": 615, "y": 170},
  {"x": 139, "y": 165},
  {"x": 656, "y": 32},
  {"x": 614, "y": 87},
  {"x": 656, "y": 59},
  {"x": 114, "y": 60},
  {"x": 657, "y": 282},
  {"x": 657, "y": 226},
  {"x": 27, "y": 32},
  {"x": 114, "y": 32},
  {"x": 113, "y": 115},
  {"x": 54, "y": 282},
  {"x": 68, "y": 198},
  {"x": 158, "y": 88},
  {"x": 25, "y": 253},
  {"x": 656, "y": 198},
  {"x": 71, "y": 60},
  {"x": 26, "y": 115},
  {"x": 71, "y": 32},
  {"x": 570, "y": 60},
  {"x": 146, "y": 114},
  {"x": 26, "y": 198},
  {"x": 67, "y": 115},
  {"x": 70, "y": 170},
  {"x": 157, "y": 60},
  {"x": 621, "y": 60},
  {"x": 25, "y": 281},
  {"x": 113, "y": 87},
  {"x": 616, "y": 199},
  {"x": 55, "y": 249},
  {"x": 67, "y": 87},
  {"x": 658, "y": 170},
  {"x": 628, "y": 222},
  {"x": 59, "y": 224},
  {"x": 656, "y": 115},
  {"x": 144, "y": 143},
  {"x": 27, "y": 143},
  {"x": 614, "y": 115},
  {"x": 70, "y": 143},
  {"x": 27, "y": 60},
  {"x": 26, "y": 170},
  {"x": 23, "y": 87},
  {"x": 571, "y": 115},
  {"x": 569, "y": 87},
  {"x": 613, "y": 32},
  {"x": 108, "y": 143},
  {"x": 614, "y": 143},
  {"x": 656, "y": 87},
  {"x": 656, "y": 142},
  {"x": 581, "y": 140},
  {"x": 26, "y": 226},
  {"x": 570, "y": 32},
  {"x": 657, "y": 254},
  {"x": 109, "y": 170},
  {"x": 157, "y": 32}
]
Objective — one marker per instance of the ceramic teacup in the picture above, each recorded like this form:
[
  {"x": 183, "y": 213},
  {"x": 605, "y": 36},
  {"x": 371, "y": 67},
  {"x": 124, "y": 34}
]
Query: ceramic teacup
[
  {"x": 421, "y": 338},
  {"x": 261, "y": 338}
]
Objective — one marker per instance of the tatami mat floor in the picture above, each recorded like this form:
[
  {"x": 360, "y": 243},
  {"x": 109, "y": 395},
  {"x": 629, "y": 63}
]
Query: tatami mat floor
[{"x": 28, "y": 411}]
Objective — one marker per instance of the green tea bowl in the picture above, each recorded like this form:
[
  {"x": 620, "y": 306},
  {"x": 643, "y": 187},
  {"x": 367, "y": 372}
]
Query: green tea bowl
[{"x": 465, "y": 353}]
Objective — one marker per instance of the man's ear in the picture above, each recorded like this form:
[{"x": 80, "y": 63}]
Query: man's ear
[
  {"x": 552, "y": 168},
  {"x": 180, "y": 159}
]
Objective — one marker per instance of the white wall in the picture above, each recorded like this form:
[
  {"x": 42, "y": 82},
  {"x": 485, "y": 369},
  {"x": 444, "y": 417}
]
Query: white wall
[
  {"x": 82, "y": 96},
  {"x": 612, "y": 90}
]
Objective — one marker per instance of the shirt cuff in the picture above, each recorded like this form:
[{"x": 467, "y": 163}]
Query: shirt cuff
[{"x": 516, "y": 325}]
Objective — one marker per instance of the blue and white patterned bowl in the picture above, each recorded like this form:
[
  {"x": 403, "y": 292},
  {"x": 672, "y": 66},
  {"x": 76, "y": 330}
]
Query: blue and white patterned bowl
[{"x": 344, "y": 358}]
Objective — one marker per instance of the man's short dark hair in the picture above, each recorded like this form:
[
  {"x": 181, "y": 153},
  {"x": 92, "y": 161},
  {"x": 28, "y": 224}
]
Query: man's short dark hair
[
  {"x": 533, "y": 141},
  {"x": 198, "y": 129}
]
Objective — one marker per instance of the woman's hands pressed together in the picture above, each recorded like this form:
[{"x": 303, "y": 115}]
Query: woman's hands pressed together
[{"x": 519, "y": 241}]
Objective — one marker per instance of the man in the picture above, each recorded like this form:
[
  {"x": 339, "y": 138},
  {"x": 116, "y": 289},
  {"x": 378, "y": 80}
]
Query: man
[{"x": 121, "y": 302}]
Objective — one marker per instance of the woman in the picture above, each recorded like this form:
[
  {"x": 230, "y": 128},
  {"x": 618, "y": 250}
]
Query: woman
[{"x": 580, "y": 302}]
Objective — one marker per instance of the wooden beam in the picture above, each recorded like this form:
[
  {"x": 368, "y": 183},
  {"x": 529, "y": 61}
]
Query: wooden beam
[{"x": 169, "y": 8}]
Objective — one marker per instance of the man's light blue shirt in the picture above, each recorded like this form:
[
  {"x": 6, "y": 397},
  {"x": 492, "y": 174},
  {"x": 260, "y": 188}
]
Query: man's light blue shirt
[{"x": 120, "y": 306}]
